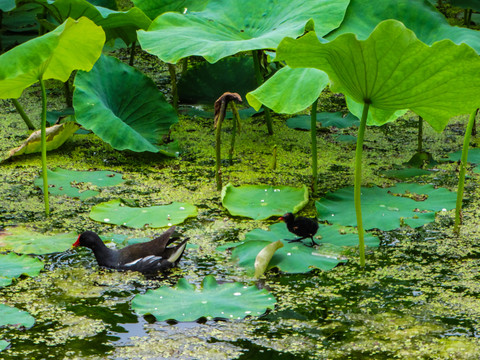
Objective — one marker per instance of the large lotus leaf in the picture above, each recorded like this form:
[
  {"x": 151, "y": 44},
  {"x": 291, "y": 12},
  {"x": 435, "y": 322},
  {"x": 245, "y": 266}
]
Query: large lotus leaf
[
  {"x": 118, "y": 213},
  {"x": 56, "y": 136},
  {"x": 473, "y": 156},
  {"x": 325, "y": 119},
  {"x": 7, "y": 5},
  {"x": 122, "y": 106},
  {"x": 227, "y": 27},
  {"x": 289, "y": 90},
  {"x": 24, "y": 241},
  {"x": 186, "y": 303},
  {"x": 393, "y": 70},
  {"x": 297, "y": 257},
  {"x": 16, "y": 317},
  {"x": 382, "y": 209},
  {"x": 13, "y": 265},
  {"x": 60, "y": 181},
  {"x": 153, "y": 8},
  {"x": 75, "y": 44},
  {"x": 205, "y": 82},
  {"x": 263, "y": 201}
]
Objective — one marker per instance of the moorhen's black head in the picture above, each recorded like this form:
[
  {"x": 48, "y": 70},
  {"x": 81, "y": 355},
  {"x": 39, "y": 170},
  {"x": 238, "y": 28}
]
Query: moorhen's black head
[
  {"x": 287, "y": 217},
  {"x": 88, "y": 239}
]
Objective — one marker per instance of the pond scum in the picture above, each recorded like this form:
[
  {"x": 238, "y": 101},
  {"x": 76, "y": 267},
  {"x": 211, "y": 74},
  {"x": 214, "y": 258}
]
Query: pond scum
[{"x": 417, "y": 298}]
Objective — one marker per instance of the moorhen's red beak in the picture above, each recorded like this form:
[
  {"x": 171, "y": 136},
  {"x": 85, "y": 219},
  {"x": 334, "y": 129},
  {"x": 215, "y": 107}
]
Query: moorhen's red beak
[
  {"x": 281, "y": 218},
  {"x": 77, "y": 243}
]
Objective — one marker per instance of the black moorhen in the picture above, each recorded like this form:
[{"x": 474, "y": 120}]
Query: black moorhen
[
  {"x": 148, "y": 257},
  {"x": 300, "y": 226}
]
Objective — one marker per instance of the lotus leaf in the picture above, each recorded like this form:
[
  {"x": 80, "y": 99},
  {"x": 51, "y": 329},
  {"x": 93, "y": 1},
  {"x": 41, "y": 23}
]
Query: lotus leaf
[
  {"x": 466, "y": 4},
  {"x": 324, "y": 119},
  {"x": 289, "y": 90},
  {"x": 205, "y": 82},
  {"x": 7, "y": 5},
  {"x": 263, "y": 201},
  {"x": 264, "y": 256},
  {"x": 56, "y": 136},
  {"x": 428, "y": 24},
  {"x": 75, "y": 44},
  {"x": 16, "y": 317},
  {"x": 116, "y": 96},
  {"x": 3, "y": 344},
  {"x": 226, "y": 28},
  {"x": 61, "y": 181},
  {"x": 382, "y": 209},
  {"x": 154, "y": 8},
  {"x": 13, "y": 265},
  {"x": 24, "y": 241},
  {"x": 393, "y": 70},
  {"x": 406, "y": 173},
  {"x": 118, "y": 213},
  {"x": 186, "y": 303},
  {"x": 473, "y": 156}
]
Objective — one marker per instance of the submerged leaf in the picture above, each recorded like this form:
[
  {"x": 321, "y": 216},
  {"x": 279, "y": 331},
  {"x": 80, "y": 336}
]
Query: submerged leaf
[
  {"x": 118, "y": 213},
  {"x": 61, "y": 181},
  {"x": 13, "y": 265},
  {"x": 263, "y": 201},
  {"x": 264, "y": 256},
  {"x": 24, "y": 241},
  {"x": 185, "y": 303},
  {"x": 15, "y": 317},
  {"x": 56, "y": 136}
]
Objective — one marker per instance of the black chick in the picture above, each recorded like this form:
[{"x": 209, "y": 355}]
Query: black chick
[{"x": 300, "y": 226}]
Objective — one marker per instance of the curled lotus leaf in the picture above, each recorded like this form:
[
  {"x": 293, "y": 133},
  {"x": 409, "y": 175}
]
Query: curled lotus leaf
[{"x": 184, "y": 302}]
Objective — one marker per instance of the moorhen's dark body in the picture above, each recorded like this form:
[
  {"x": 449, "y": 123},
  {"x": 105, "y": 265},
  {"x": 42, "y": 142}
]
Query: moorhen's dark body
[
  {"x": 301, "y": 226},
  {"x": 148, "y": 257}
]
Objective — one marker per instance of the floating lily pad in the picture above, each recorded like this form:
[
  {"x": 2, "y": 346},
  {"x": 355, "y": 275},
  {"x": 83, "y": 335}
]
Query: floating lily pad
[
  {"x": 406, "y": 173},
  {"x": 56, "y": 136},
  {"x": 325, "y": 119},
  {"x": 3, "y": 344},
  {"x": 193, "y": 111},
  {"x": 15, "y": 317},
  {"x": 116, "y": 96},
  {"x": 347, "y": 139},
  {"x": 60, "y": 181},
  {"x": 12, "y": 266},
  {"x": 24, "y": 241},
  {"x": 205, "y": 82},
  {"x": 119, "y": 213},
  {"x": 296, "y": 257},
  {"x": 383, "y": 210},
  {"x": 473, "y": 156},
  {"x": 186, "y": 303},
  {"x": 263, "y": 201}
]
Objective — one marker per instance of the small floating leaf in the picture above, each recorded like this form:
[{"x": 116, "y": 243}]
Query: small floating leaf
[
  {"x": 186, "y": 303},
  {"x": 324, "y": 119},
  {"x": 118, "y": 213},
  {"x": 264, "y": 256},
  {"x": 12, "y": 266},
  {"x": 263, "y": 201},
  {"x": 61, "y": 181},
  {"x": 16, "y": 317},
  {"x": 3, "y": 344},
  {"x": 24, "y": 241}
]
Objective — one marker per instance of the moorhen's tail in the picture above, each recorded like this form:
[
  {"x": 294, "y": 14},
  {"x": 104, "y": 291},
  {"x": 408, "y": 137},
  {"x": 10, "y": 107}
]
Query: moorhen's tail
[{"x": 177, "y": 252}]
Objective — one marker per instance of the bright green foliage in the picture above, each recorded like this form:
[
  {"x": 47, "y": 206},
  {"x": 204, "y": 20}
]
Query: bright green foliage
[
  {"x": 118, "y": 213},
  {"x": 61, "y": 180},
  {"x": 186, "y": 303},
  {"x": 324, "y": 119},
  {"x": 75, "y": 44},
  {"x": 116, "y": 24},
  {"x": 3, "y": 344},
  {"x": 205, "y": 83},
  {"x": 289, "y": 90},
  {"x": 227, "y": 27},
  {"x": 13, "y": 265},
  {"x": 261, "y": 202},
  {"x": 382, "y": 210},
  {"x": 24, "y": 241},
  {"x": 153, "y": 8},
  {"x": 13, "y": 316},
  {"x": 122, "y": 106},
  {"x": 296, "y": 257},
  {"x": 393, "y": 70},
  {"x": 428, "y": 24},
  {"x": 56, "y": 136}
]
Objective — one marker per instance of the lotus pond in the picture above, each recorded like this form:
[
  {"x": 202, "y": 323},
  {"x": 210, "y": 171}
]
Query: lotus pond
[{"x": 411, "y": 293}]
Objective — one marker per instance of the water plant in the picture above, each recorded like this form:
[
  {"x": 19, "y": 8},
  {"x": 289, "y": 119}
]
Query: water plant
[
  {"x": 75, "y": 44},
  {"x": 391, "y": 70}
]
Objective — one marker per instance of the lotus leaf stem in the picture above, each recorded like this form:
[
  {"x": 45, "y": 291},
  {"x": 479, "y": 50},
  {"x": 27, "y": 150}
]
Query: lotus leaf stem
[
  {"x": 132, "y": 53},
  {"x": 420, "y": 134},
  {"x": 23, "y": 114},
  {"x": 358, "y": 182},
  {"x": 256, "y": 55},
  {"x": 463, "y": 167},
  {"x": 44, "y": 147},
  {"x": 173, "y": 80},
  {"x": 313, "y": 133}
]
